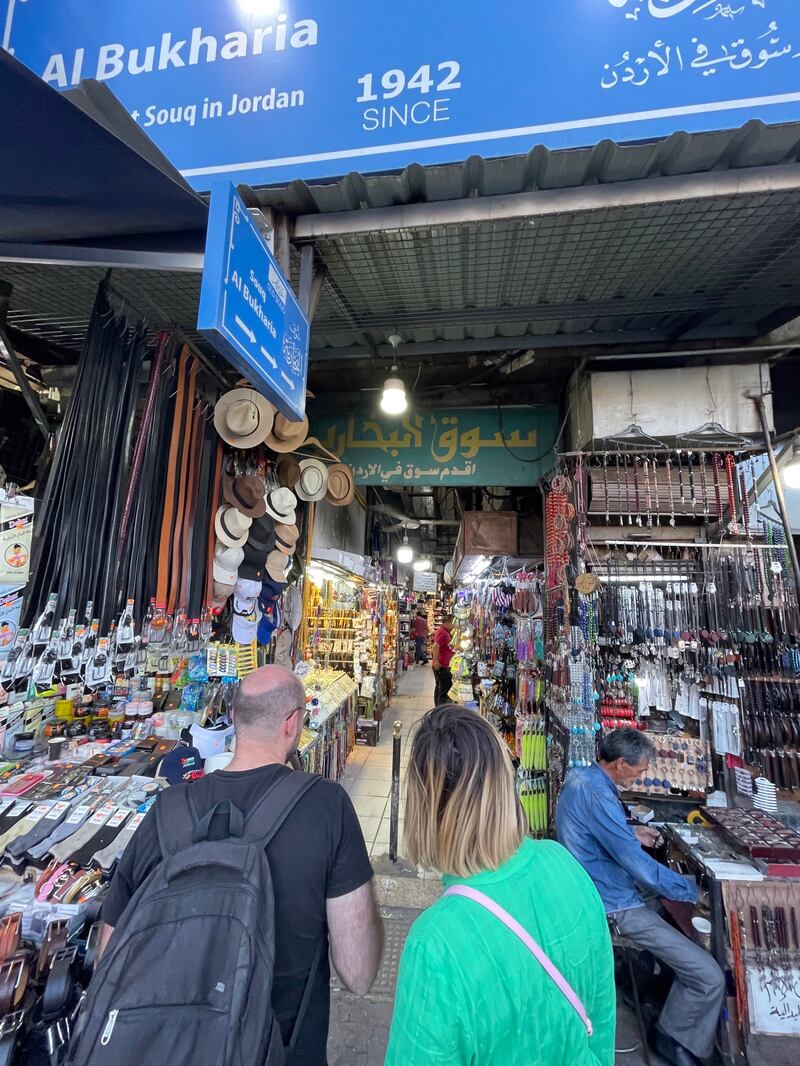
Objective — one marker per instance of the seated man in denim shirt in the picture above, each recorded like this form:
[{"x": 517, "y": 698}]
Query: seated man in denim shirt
[{"x": 592, "y": 824}]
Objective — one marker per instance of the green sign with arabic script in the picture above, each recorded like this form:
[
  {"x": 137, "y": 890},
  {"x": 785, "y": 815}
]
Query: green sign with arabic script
[{"x": 462, "y": 446}]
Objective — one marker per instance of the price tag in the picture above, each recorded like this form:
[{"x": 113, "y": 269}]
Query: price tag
[
  {"x": 18, "y": 809},
  {"x": 4, "y": 805},
  {"x": 40, "y": 811},
  {"x": 78, "y": 814},
  {"x": 56, "y": 811},
  {"x": 135, "y": 822},
  {"x": 117, "y": 818},
  {"x": 101, "y": 817}
]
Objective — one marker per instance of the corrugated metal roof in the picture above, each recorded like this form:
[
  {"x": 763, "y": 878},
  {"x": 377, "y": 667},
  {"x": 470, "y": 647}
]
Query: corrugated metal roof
[
  {"x": 753, "y": 145},
  {"x": 717, "y": 267}
]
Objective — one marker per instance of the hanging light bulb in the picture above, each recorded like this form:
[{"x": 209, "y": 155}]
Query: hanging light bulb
[
  {"x": 422, "y": 565},
  {"x": 394, "y": 400},
  {"x": 405, "y": 553},
  {"x": 791, "y": 472}
]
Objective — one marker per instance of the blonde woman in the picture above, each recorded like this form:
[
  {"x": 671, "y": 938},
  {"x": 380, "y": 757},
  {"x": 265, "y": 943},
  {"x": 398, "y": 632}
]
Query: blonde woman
[{"x": 513, "y": 965}]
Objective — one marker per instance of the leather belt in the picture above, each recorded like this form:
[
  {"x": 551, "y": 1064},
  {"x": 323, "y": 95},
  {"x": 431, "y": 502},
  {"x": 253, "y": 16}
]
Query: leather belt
[
  {"x": 170, "y": 498},
  {"x": 10, "y": 935},
  {"x": 214, "y": 497},
  {"x": 90, "y": 956},
  {"x": 60, "y": 989},
  {"x": 13, "y": 982},
  {"x": 11, "y": 1029},
  {"x": 55, "y": 940},
  {"x": 179, "y": 525},
  {"x": 53, "y": 875}
]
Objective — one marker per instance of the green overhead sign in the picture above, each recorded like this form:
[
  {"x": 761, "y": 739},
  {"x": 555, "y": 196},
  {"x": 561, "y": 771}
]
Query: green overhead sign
[{"x": 462, "y": 446}]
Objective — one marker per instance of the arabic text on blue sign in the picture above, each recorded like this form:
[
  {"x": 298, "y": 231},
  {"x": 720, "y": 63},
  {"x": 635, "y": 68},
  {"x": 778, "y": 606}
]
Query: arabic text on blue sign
[
  {"x": 247, "y": 309},
  {"x": 315, "y": 88},
  {"x": 461, "y": 446}
]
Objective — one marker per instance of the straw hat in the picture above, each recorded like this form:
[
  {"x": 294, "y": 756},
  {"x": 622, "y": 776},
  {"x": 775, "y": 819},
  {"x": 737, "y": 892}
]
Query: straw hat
[
  {"x": 277, "y": 566},
  {"x": 285, "y": 435},
  {"x": 313, "y": 483},
  {"x": 286, "y": 538},
  {"x": 246, "y": 494},
  {"x": 281, "y": 505},
  {"x": 288, "y": 471},
  {"x": 243, "y": 417},
  {"x": 341, "y": 485},
  {"x": 231, "y": 526},
  {"x": 228, "y": 558}
]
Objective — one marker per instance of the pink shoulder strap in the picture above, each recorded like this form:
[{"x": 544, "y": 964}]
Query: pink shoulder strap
[{"x": 511, "y": 923}]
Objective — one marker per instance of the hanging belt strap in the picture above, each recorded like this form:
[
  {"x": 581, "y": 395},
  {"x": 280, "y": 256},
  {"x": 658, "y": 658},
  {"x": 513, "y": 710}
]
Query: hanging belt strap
[{"x": 549, "y": 968}]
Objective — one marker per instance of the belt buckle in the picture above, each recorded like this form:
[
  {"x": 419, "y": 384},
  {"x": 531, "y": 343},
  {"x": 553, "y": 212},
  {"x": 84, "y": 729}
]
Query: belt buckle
[
  {"x": 58, "y": 1035},
  {"x": 68, "y": 955},
  {"x": 12, "y": 1023}
]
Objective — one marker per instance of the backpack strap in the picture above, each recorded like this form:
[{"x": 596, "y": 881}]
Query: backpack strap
[
  {"x": 275, "y": 806},
  {"x": 175, "y": 819},
  {"x": 549, "y": 967}
]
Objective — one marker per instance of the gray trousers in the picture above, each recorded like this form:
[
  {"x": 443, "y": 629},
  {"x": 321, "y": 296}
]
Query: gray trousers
[{"x": 691, "y": 1012}]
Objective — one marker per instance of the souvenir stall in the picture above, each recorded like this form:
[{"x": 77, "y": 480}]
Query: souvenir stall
[
  {"x": 499, "y": 650},
  {"x": 671, "y": 608}
]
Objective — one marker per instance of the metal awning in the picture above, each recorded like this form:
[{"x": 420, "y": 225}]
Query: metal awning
[
  {"x": 82, "y": 172},
  {"x": 689, "y": 239}
]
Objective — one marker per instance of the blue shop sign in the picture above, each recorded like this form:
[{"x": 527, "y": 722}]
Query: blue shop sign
[
  {"x": 266, "y": 91},
  {"x": 247, "y": 308}
]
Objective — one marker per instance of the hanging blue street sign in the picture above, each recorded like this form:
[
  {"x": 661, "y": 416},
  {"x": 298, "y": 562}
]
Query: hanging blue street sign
[
  {"x": 267, "y": 91},
  {"x": 247, "y": 308}
]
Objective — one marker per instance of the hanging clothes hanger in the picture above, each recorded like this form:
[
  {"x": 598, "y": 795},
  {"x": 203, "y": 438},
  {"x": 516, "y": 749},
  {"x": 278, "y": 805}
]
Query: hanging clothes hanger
[
  {"x": 635, "y": 436},
  {"x": 714, "y": 435}
]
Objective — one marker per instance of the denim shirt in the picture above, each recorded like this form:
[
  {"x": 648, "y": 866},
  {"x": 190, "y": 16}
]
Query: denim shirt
[{"x": 591, "y": 823}]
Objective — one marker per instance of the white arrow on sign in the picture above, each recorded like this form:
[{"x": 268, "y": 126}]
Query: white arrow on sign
[
  {"x": 269, "y": 358},
  {"x": 288, "y": 380},
  {"x": 245, "y": 329}
]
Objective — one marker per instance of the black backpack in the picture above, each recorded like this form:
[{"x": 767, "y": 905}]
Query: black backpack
[{"x": 187, "y": 976}]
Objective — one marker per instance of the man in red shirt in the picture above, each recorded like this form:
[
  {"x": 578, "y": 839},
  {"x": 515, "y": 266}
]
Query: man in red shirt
[
  {"x": 442, "y": 655},
  {"x": 421, "y": 636}
]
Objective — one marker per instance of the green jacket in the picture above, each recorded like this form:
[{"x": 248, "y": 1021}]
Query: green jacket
[{"x": 469, "y": 993}]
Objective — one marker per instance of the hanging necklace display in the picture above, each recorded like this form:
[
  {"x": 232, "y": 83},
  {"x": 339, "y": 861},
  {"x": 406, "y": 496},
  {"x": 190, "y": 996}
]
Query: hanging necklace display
[
  {"x": 680, "y": 480},
  {"x": 628, "y": 491},
  {"x": 648, "y": 496},
  {"x": 692, "y": 496},
  {"x": 671, "y": 494},
  {"x": 729, "y": 467},
  {"x": 605, "y": 486},
  {"x": 745, "y": 503},
  {"x": 619, "y": 493},
  {"x": 704, "y": 484},
  {"x": 636, "y": 490},
  {"x": 716, "y": 464}
]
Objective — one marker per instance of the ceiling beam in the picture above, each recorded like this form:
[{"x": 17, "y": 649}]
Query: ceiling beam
[
  {"x": 113, "y": 258},
  {"x": 543, "y": 202}
]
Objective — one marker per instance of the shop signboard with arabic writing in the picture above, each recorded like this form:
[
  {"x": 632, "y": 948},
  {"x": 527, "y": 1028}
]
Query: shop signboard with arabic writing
[
  {"x": 265, "y": 91},
  {"x": 464, "y": 446}
]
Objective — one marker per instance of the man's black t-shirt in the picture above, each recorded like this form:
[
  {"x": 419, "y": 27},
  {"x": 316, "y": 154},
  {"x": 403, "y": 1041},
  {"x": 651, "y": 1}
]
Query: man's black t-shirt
[{"x": 317, "y": 854}]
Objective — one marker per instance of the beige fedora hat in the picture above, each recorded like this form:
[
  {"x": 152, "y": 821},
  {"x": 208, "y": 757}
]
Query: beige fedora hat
[
  {"x": 285, "y": 435},
  {"x": 341, "y": 485},
  {"x": 231, "y": 526},
  {"x": 243, "y": 417}
]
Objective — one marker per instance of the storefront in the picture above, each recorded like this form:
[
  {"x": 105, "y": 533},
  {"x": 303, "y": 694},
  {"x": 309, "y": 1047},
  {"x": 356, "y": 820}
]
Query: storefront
[{"x": 201, "y": 513}]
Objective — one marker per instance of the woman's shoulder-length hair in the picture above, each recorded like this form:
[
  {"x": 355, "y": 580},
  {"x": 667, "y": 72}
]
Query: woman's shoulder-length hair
[{"x": 462, "y": 812}]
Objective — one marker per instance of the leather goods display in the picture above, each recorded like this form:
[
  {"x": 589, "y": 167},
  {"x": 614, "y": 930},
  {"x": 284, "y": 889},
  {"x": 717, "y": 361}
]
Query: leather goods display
[{"x": 77, "y": 532}]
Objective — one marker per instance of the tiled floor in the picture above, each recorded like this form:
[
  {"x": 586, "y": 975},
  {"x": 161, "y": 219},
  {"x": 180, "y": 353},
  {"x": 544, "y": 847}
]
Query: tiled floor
[{"x": 368, "y": 774}]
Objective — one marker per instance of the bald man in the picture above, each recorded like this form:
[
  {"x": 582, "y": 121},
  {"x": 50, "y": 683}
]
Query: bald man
[{"x": 321, "y": 872}]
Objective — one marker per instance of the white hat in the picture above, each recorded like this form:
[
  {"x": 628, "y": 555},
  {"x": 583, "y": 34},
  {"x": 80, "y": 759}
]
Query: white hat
[
  {"x": 222, "y": 591},
  {"x": 243, "y": 418},
  {"x": 313, "y": 483},
  {"x": 223, "y": 575},
  {"x": 231, "y": 526},
  {"x": 228, "y": 558},
  {"x": 281, "y": 504},
  {"x": 210, "y": 741},
  {"x": 247, "y": 589}
]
